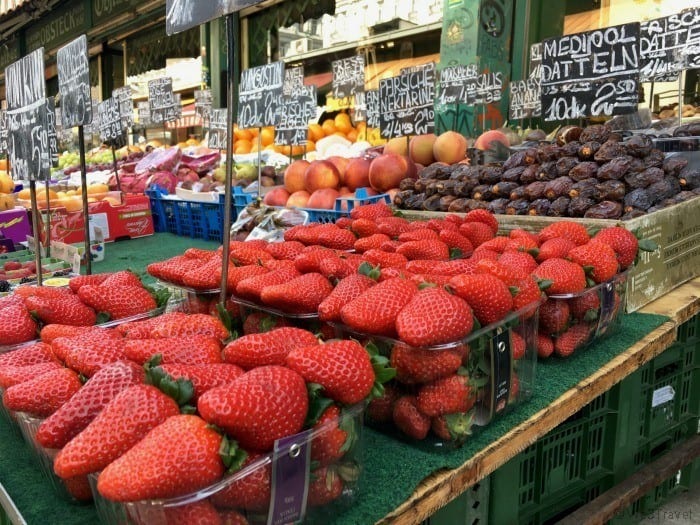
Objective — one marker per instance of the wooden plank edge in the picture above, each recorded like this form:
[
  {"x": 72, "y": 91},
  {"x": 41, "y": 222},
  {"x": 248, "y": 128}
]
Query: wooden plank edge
[
  {"x": 622, "y": 495},
  {"x": 439, "y": 488},
  {"x": 10, "y": 508},
  {"x": 680, "y": 304}
]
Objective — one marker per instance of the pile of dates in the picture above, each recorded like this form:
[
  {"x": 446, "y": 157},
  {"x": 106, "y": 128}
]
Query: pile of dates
[{"x": 587, "y": 172}]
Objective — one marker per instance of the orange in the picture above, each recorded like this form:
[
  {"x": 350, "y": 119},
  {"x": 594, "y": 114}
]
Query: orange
[
  {"x": 297, "y": 150},
  {"x": 242, "y": 146},
  {"x": 352, "y": 135},
  {"x": 342, "y": 122},
  {"x": 284, "y": 150},
  {"x": 328, "y": 127},
  {"x": 361, "y": 126},
  {"x": 310, "y": 145},
  {"x": 267, "y": 136},
  {"x": 244, "y": 134},
  {"x": 316, "y": 132},
  {"x": 3, "y": 164},
  {"x": 339, "y": 133}
]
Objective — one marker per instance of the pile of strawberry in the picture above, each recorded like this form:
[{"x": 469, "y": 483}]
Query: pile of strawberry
[
  {"x": 88, "y": 300},
  {"x": 172, "y": 406}
]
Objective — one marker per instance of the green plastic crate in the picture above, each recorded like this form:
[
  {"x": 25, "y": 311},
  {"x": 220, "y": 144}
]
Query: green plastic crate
[
  {"x": 470, "y": 508},
  {"x": 690, "y": 330}
]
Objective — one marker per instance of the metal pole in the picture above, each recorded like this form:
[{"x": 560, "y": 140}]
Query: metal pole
[
  {"x": 86, "y": 214},
  {"x": 37, "y": 234},
  {"x": 48, "y": 221},
  {"x": 651, "y": 97},
  {"x": 260, "y": 161},
  {"x": 116, "y": 171},
  {"x": 680, "y": 97}
]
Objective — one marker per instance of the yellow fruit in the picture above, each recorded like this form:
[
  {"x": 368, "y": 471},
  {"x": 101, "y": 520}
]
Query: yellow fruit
[
  {"x": 328, "y": 127},
  {"x": 342, "y": 122},
  {"x": 267, "y": 136},
  {"x": 95, "y": 189},
  {"x": 6, "y": 183},
  {"x": 6, "y": 202},
  {"x": 316, "y": 132}
]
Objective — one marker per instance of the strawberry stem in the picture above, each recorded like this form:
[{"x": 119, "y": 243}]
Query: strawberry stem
[
  {"x": 317, "y": 403},
  {"x": 181, "y": 389},
  {"x": 231, "y": 454}
]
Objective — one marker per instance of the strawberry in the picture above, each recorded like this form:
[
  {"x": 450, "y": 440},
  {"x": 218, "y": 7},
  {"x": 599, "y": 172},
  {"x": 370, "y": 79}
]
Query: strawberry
[
  {"x": 483, "y": 216},
  {"x": 375, "y": 310},
  {"x": 251, "y": 287},
  {"x": 199, "y": 512},
  {"x": 244, "y": 253},
  {"x": 302, "y": 294},
  {"x": 380, "y": 409},
  {"x": 573, "y": 231},
  {"x": 122, "y": 278},
  {"x": 573, "y": 339},
  {"x": 179, "y": 456},
  {"x": 446, "y": 395},
  {"x": 264, "y": 404},
  {"x": 393, "y": 226},
  {"x": 199, "y": 303},
  {"x": 237, "y": 273},
  {"x": 454, "y": 427},
  {"x": 16, "y": 325},
  {"x": 371, "y": 211},
  {"x": 364, "y": 227},
  {"x": 526, "y": 293},
  {"x": 454, "y": 267},
  {"x": 454, "y": 219},
  {"x": 455, "y": 240},
  {"x": 344, "y": 222},
  {"x": 390, "y": 246},
  {"x": 508, "y": 274},
  {"x": 195, "y": 350},
  {"x": 118, "y": 301},
  {"x": 173, "y": 269},
  {"x": 292, "y": 234},
  {"x": 431, "y": 279},
  {"x": 44, "y": 394},
  {"x": 391, "y": 273},
  {"x": 433, "y": 317},
  {"x": 27, "y": 356},
  {"x": 342, "y": 368},
  {"x": 421, "y": 265},
  {"x": 518, "y": 345},
  {"x": 45, "y": 292},
  {"x": 371, "y": 242},
  {"x": 79, "y": 280},
  {"x": 310, "y": 261},
  {"x": 142, "y": 328},
  {"x": 566, "y": 277},
  {"x": 420, "y": 234},
  {"x": 64, "y": 424},
  {"x": 189, "y": 325},
  {"x": 267, "y": 348},
  {"x": 409, "y": 419},
  {"x": 199, "y": 253},
  {"x": 622, "y": 241},
  {"x": 554, "y": 316},
  {"x": 258, "y": 322},
  {"x": 516, "y": 260},
  {"x": 78, "y": 488},
  {"x": 345, "y": 291},
  {"x": 417, "y": 365},
  {"x": 122, "y": 423},
  {"x": 555, "y": 248},
  {"x": 67, "y": 310},
  {"x": 251, "y": 491},
  {"x": 477, "y": 232},
  {"x": 385, "y": 259},
  {"x": 204, "y": 377},
  {"x": 426, "y": 249},
  {"x": 332, "y": 438},
  {"x": 598, "y": 258},
  {"x": 88, "y": 354},
  {"x": 284, "y": 250},
  {"x": 337, "y": 238},
  {"x": 11, "y": 300},
  {"x": 484, "y": 253},
  {"x": 207, "y": 276},
  {"x": 545, "y": 346},
  {"x": 15, "y": 374},
  {"x": 488, "y": 296},
  {"x": 497, "y": 244},
  {"x": 522, "y": 244},
  {"x": 586, "y": 306},
  {"x": 326, "y": 485},
  {"x": 519, "y": 233},
  {"x": 231, "y": 517},
  {"x": 335, "y": 268},
  {"x": 50, "y": 332}
]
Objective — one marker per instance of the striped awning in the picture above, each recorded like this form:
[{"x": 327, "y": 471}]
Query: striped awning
[{"x": 8, "y": 5}]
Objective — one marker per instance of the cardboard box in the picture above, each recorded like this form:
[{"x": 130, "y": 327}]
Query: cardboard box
[{"x": 15, "y": 224}]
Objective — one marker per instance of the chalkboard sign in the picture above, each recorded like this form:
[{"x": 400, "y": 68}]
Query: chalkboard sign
[
  {"x": 453, "y": 83},
  {"x": 668, "y": 45},
  {"x": 259, "y": 94},
  {"x": 592, "y": 73},
  {"x": 348, "y": 76},
  {"x": 177, "y": 106},
  {"x": 294, "y": 114},
  {"x": 202, "y": 103},
  {"x": 3, "y": 131},
  {"x": 372, "y": 103},
  {"x": 293, "y": 80},
  {"x": 144, "y": 111},
  {"x": 64, "y": 134},
  {"x": 24, "y": 81},
  {"x": 389, "y": 108},
  {"x": 217, "y": 129},
  {"x": 74, "y": 83},
  {"x": 160, "y": 100},
  {"x": 126, "y": 105},
  {"x": 417, "y": 99},
  {"x": 110, "y": 122},
  {"x": 51, "y": 133},
  {"x": 485, "y": 88},
  {"x": 525, "y": 99},
  {"x": 181, "y": 15},
  {"x": 535, "y": 60}
]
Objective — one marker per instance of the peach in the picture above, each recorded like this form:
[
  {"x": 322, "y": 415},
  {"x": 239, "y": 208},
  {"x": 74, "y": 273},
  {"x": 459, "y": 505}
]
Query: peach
[
  {"x": 357, "y": 173},
  {"x": 341, "y": 164},
  {"x": 276, "y": 197},
  {"x": 487, "y": 137},
  {"x": 388, "y": 170},
  {"x": 398, "y": 145},
  {"x": 450, "y": 147},
  {"x": 323, "y": 199},
  {"x": 298, "y": 199},
  {"x": 294, "y": 175},
  {"x": 321, "y": 174},
  {"x": 420, "y": 149}
]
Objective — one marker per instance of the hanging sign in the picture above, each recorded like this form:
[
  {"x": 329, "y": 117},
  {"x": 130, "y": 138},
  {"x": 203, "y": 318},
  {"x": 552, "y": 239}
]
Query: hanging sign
[
  {"x": 417, "y": 99},
  {"x": 217, "y": 129},
  {"x": 525, "y": 99},
  {"x": 3, "y": 131},
  {"x": 372, "y": 103},
  {"x": 144, "y": 111},
  {"x": 202, "y": 103},
  {"x": 389, "y": 110},
  {"x": 110, "y": 122},
  {"x": 161, "y": 100},
  {"x": 259, "y": 94},
  {"x": 74, "y": 83},
  {"x": 51, "y": 133},
  {"x": 348, "y": 76},
  {"x": 293, "y": 80},
  {"x": 453, "y": 83},
  {"x": 668, "y": 45},
  {"x": 126, "y": 105},
  {"x": 294, "y": 114}
]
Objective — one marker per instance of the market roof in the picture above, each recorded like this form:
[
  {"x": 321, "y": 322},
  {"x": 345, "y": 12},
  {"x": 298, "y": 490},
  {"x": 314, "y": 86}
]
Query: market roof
[{"x": 8, "y": 5}]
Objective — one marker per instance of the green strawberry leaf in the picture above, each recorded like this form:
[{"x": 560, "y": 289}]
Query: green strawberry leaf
[
  {"x": 103, "y": 317},
  {"x": 231, "y": 454},
  {"x": 426, "y": 284},
  {"x": 188, "y": 409},
  {"x": 588, "y": 270},
  {"x": 476, "y": 325},
  {"x": 535, "y": 252},
  {"x": 224, "y": 316},
  {"x": 647, "y": 245},
  {"x": 514, "y": 290},
  {"x": 317, "y": 404},
  {"x": 268, "y": 323},
  {"x": 349, "y": 471},
  {"x": 160, "y": 295},
  {"x": 479, "y": 382},
  {"x": 181, "y": 389},
  {"x": 543, "y": 284},
  {"x": 347, "y": 424},
  {"x": 398, "y": 213},
  {"x": 484, "y": 366},
  {"x": 590, "y": 282},
  {"x": 373, "y": 272},
  {"x": 455, "y": 253},
  {"x": 459, "y": 425},
  {"x": 590, "y": 315}
]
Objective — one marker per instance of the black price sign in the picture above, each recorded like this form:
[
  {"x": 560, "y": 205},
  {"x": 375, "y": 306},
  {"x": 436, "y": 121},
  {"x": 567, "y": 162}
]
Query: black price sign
[
  {"x": 293, "y": 80},
  {"x": 485, "y": 88},
  {"x": 294, "y": 115},
  {"x": 161, "y": 101},
  {"x": 348, "y": 76},
  {"x": 144, "y": 111},
  {"x": 126, "y": 105},
  {"x": 177, "y": 106},
  {"x": 181, "y": 15},
  {"x": 536, "y": 60},
  {"x": 591, "y": 74},
  {"x": 525, "y": 99},
  {"x": 389, "y": 110},
  {"x": 3, "y": 131},
  {"x": 453, "y": 83},
  {"x": 668, "y": 45},
  {"x": 417, "y": 99},
  {"x": 202, "y": 103},
  {"x": 372, "y": 103},
  {"x": 74, "y": 83},
  {"x": 259, "y": 94},
  {"x": 51, "y": 133},
  {"x": 110, "y": 122},
  {"x": 217, "y": 129}
]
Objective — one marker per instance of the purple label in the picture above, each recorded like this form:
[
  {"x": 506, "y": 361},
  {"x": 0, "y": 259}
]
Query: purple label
[
  {"x": 500, "y": 366},
  {"x": 290, "y": 479}
]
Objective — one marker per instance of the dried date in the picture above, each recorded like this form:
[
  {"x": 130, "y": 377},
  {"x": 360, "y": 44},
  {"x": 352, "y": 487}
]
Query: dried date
[
  {"x": 584, "y": 188},
  {"x": 548, "y": 153},
  {"x": 465, "y": 188},
  {"x": 558, "y": 187},
  {"x": 517, "y": 207},
  {"x": 610, "y": 190},
  {"x": 498, "y": 206},
  {"x": 539, "y": 207},
  {"x": 584, "y": 170},
  {"x": 490, "y": 174},
  {"x": 407, "y": 184},
  {"x": 432, "y": 203},
  {"x": 503, "y": 189},
  {"x": 535, "y": 190},
  {"x": 559, "y": 207},
  {"x": 436, "y": 171},
  {"x": 639, "y": 145},
  {"x": 458, "y": 206},
  {"x": 420, "y": 185},
  {"x": 547, "y": 171},
  {"x": 604, "y": 210},
  {"x": 518, "y": 193},
  {"x": 513, "y": 174},
  {"x": 613, "y": 170},
  {"x": 665, "y": 188},
  {"x": 674, "y": 165},
  {"x": 587, "y": 150},
  {"x": 608, "y": 151},
  {"x": 579, "y": 206},
  {"x": 482, "y": 193},
  {"x": 568, "y": 134},
  {"x": 633, "y": 214},
  {"x": 644, "y": 178},
  {"x": 689, "y": 178},
  {"x": 595, "y": 133},
  {"x": 431, "y": 188},
  {"x": 638, "y": 198},
  {"x": 447, "y": 187},
  {"x": 570, "y": 149},
  {"x": 565, "y": 165},
  {"x": 529, "y": 174},
  {"x": 402, "y": 197},
  {"x": 655, "y": 159},
  {"x": 445, "y": 202}
]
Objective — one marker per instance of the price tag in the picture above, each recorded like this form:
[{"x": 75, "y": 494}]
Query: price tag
[
  {"x": 110, "y": 123},
  {"x": 126, "y": 105},
  {"x": 217, "y": 129},
  {"x": 74, "y": 83},
  {"x": 348, "y": 76},
  {"x": 259, "y": 95},
  {"x": 161, "y": 101},
  {"x": 294, "y": 115}
]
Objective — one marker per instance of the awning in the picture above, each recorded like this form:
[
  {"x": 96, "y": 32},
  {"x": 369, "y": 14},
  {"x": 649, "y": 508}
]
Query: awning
[{"x": 8, "y": 5}]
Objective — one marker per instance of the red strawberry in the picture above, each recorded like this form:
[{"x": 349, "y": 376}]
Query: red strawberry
[
  {"x": 573, "y": 231},
  {"x": 284, "y": 250},
  {"x": 454, "y": 219},
  {"x": 597, "y": 256},
  {"x": 88, "y": 354},
  {"x": 522, "y": 261},
  {"x": 497, "y": 244},
  {"x": 118, "y": 301},
  {"x": 264, "y": 404},
  {"x": 345, "y": 291},
  {"x": 326, "y": 485},
  {"x": 586, "y": 306},
  {"x": 250, "y": 288},
  {"x": 199, "y": 253},
  {"x": 302, "y": 294},
  {"x": 488, "y": 296},
  {"x": 337, "y": 238},
  {"x": 258, "y": 322},
  {"x": 519, "y": 233},
  {"x": 189, "y": 325},
  {"x": 409, "y": 419},
  {"x": 245, "y": 253},
  {"x": 391, "y": 273},
  {"x": 342, "y": 368},
  {"x": 123, "y": 278},
  {"x": 332, "y": 438},
  {"x": 555, "y": 248},
  {"x": 364, "y": 227},
  {"x": 79, "y": 280},
  {"x": 122, "y": 423},
  {"x": 523, "y": 244},
  {"x": 433, "y": 317},
  {"x": 67, "y": 310},
  {"x": 526, "y": 293},
  {"x": 207, "y": 276},
  {"x": 421, "y": 265},
  {"x": 393, "y": 226},
  {"x": 477, "y": 232},
  {"x": 483, "y": 216},
  {"x": 28, "y": 355},
  {"x": 431, "y": 279},
  {"x": 142, "y": 328},
  {"x": 416, "y": 365},
  {"x": 335, "y": 269},
  {"x": 173, "y": 269},
  {"x": 545, "y": 346},
  {"x": 573, "y": 339},
  {"x": 16, "y": 325},
  {"x": 554, "y": 316},
  {"x": 79, "y": 488},
  {"x": 371, "y": 242},
  {"x": 179, "y": 456},
  {"x": 344, "y": 222},
  {"x": 420, "y": 234},
  {"x": 390, "y": 246},
  {"x": 446, "y": 395},
  {"x": 203, "y": 376},
  {"x": 622, "y": 241},
  {"x": 44, "y": 394},
  {"x": 249, "y": 492},
  {"x": 508, "y": 274},
  {"x": 195, "y": 350},
  {"x": 380, "y": 408},
  {"x": 310, "y": 261},
  {"x": 46, "y": 292},
  {"x": 237, "y": 273},
  {"x": 455, "y": 240},
  {"x": 426, "y": 249},
  {"x": 69, "y": 420},
  {"x": 375, "y": 310},
  {"x": 454, "y": 267},
  {"x": 267, "y": 348},
  {"x": 231, "y": 517},
  {"x": 13, "y": 375},
  {"x": 371, "y": 211},
  {"x": 453, "y": 427},
  {"x": 482, "y": 253},
  {"x": 52, "y": 331},
  {"x": 518, "y": 345},
  {"x": 566, "y": 277},
  {"x": 385, "y": 259},
  {"x": 198, "y": 513}
]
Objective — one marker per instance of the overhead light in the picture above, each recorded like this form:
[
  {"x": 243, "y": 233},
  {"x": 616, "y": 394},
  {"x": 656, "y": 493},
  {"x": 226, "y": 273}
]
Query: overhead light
[{"x": 390, "y": 44}]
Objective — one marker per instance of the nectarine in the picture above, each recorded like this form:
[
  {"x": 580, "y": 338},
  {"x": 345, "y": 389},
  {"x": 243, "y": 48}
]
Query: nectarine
[
  {"x": 294, "y": 175},
  {"x": 420, "y": 149},
  {"x": 323, "y": 199},
  {"x": 341, "y": 164},
  {"x": 276, "y": 197},
  {"x": 487, "y": 137},
  {"x": 357, "y": 173},
  {"x": 388, "y": 170},
  {"x": 321, "y": 174},
  {"x": 450, "y": 147},
  {"x": 298, "y": 199},
  {"x": 398, "y": 145}
]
